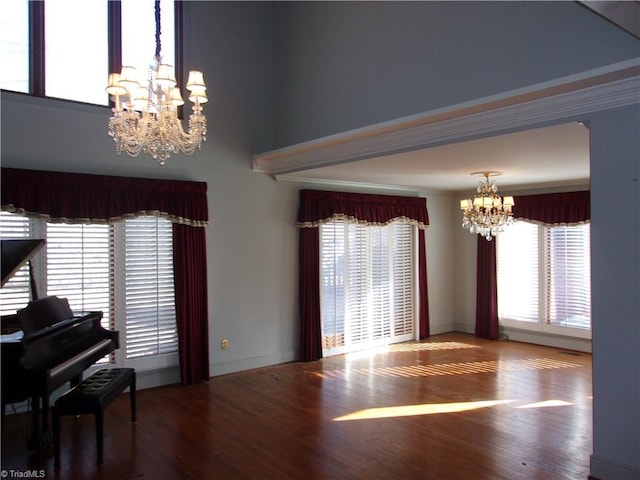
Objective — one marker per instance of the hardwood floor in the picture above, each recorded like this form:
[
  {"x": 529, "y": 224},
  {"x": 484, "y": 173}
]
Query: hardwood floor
[{"x": 453, "y": 407}]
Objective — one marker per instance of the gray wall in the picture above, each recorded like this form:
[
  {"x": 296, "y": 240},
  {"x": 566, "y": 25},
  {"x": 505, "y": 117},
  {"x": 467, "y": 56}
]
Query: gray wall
[
  {"x": 345, "y": 65},
  {"x": 615, "y": 283},
  {"x": 294, "y": 71}
]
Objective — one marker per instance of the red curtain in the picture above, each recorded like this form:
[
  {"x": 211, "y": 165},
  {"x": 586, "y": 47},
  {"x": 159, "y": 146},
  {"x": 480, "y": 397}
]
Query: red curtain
[
  {"x": 487, "y": 291},
  {"x": 190, "y": 277},
  {"x": 554, "y": 208},
  {"x": 85, "y": 198},
  {"x": 423, "y": 319},
  {"x": 309, "y": 278},
  {"x": 551, "y": 209},
  {"x": 318, "y": 206}
]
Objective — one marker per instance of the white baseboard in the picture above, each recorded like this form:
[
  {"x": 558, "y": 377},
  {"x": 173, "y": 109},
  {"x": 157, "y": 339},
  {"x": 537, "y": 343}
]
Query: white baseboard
[
  {"x": 464, "y": 328},
  {"x": 224, "y": 368},
  {"x": 547, "y": 339}
]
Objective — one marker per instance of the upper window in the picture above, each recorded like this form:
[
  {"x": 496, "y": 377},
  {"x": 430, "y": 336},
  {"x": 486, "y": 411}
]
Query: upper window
[
  {"x": 73, "y": 63},
  {"x": 544, "y": 278},
  {"x": 366, "y": 285}
]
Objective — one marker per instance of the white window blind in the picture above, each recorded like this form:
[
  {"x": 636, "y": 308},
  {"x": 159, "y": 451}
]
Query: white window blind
[
  {"x": 332, "y": 284},
  {"x": 149, "y": 300},
  {"x": 16, "y": 292},
  {"x": 517, "y": 270},
  {"x": 568, "y": 270},
  {"x": 367, "y": 285},
  {"x": 402, "y": 253},
  {"x": 79, "y": 262}
]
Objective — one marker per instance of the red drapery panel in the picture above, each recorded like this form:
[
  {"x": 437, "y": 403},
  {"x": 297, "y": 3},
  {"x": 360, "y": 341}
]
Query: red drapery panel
[
  {"x": 549, "y": 208},
  {"x": 554, "y": 208},
  {"x": 84, "y": 198},
  {"x": 423, "y": 314},
  {"x": 318, "y": 206},
  {"x": 487, "y": 291},
  {"x": 309, "y": 277},
  {"x": 58, "y": 196},
  {"x": 190, "y": 276}
]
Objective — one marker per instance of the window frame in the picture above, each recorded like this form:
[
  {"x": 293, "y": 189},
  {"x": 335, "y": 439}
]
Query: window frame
[{"x": 542, "y": 324}]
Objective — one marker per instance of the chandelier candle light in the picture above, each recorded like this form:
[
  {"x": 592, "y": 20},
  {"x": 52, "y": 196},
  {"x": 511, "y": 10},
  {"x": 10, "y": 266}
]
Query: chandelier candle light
[
  {"x": 488, "y": 213},
  {"x": 145, "y": 117}
]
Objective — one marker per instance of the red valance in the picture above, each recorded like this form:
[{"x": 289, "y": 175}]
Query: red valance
[
  {"x": 568, "y": 208},
  {"x": 317, "y": 206},
  {"x": 75, "y": 197}
]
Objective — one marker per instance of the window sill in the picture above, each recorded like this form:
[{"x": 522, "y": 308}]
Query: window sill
[{"x": 547, "y": 339}]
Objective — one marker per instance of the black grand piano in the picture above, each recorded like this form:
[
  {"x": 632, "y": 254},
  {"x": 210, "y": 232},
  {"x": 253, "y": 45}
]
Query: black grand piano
[{"x": 46, "y": 344}]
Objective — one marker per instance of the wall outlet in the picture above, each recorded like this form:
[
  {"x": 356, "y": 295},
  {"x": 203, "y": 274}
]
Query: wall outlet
[{"x": 224, "y": 343}]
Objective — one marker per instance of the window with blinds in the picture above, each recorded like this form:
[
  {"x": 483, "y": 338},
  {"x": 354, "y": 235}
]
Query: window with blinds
[
  {"x": 124, "y": 270},
  {"x": 518, "y": 272},
  {"x": 79, "y": 267},
  {"x": 16, "y": 292},
  {"x": 544, "y": 278},
  {"x": 568, "y": 270},
  {"x": 367, "y": 285},
  {"x": 149, "y": 294}
]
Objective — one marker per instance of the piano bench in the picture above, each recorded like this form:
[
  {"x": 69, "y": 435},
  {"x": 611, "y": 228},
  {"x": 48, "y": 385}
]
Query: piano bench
[{"x": 92, "y": 396}]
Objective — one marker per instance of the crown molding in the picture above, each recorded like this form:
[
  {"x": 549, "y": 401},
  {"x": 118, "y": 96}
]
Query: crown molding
[{"x": 574, "y": 96}]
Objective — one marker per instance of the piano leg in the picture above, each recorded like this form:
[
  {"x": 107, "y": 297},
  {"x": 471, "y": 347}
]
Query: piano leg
[{"x": 34, "y": 441}]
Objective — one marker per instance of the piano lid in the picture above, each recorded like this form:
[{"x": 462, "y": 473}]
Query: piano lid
[{"x": 15, "y": 253}]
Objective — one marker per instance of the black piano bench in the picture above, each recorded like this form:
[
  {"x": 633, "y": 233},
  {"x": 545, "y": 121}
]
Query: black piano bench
[{"x": 92, "y": 396}]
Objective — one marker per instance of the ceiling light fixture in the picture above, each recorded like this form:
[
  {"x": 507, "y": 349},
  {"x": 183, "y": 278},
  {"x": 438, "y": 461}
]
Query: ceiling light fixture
[
  {"x": 488, "y": 213},
  {"x": 146, "y": 119}
]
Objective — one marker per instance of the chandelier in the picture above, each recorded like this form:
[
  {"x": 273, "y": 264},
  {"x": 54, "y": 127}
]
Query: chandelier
[
  {"x": 487, "y": 214},
  {"x": 145, "y": 116}
]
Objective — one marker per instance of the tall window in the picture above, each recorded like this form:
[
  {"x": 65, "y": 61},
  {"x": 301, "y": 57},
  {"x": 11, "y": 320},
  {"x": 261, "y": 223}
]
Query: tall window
[
  {"x": 124, "y": 270},
  {"x": 366, "y": 285},
  {"x": 544, "y": 278},
  {"x": 72, "y": 61}
]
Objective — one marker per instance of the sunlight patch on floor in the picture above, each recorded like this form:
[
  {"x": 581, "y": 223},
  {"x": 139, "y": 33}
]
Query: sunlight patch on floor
[
  {"x": 416, "y": 347},
  {"x": 547, "y": 403},
  {"x": 461, "y": 368},
  {"x": 424, "y": 409}
]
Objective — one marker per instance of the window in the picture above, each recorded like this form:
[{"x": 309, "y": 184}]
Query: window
[
  {"x": 366, "y": 285},
  {"x": 544, "y": 278},
  {"x": 124, "y": 270},
  {"x": 60, "y": 65}
]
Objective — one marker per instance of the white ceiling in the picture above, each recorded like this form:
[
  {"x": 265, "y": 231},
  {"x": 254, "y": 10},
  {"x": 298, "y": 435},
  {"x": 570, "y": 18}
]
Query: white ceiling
[{"x": 553, "y": 156}]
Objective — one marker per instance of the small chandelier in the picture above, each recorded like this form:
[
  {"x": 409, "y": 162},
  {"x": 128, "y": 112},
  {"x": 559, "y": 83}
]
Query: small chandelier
[
  {"x": 146, "y": 118},
  {"x": 487, "y": 214}
]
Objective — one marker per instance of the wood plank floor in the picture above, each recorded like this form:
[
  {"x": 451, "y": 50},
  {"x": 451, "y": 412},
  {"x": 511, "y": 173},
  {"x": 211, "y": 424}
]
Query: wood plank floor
[{"x": 453, "y": 407}]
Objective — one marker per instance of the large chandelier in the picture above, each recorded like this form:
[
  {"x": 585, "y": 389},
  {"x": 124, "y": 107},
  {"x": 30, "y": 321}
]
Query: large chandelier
[
  {"x": 145, "y": 117},
  {"x": 487, "y": 214}
]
